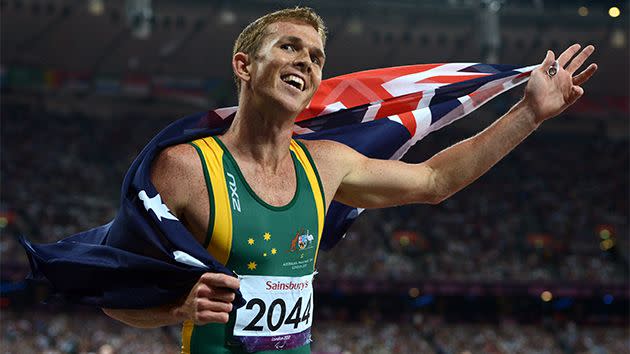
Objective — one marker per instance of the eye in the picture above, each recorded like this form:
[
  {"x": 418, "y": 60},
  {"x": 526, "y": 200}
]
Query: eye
[
  {"x": 288, "y": 47},
  {"x": 315, "y": 59}
]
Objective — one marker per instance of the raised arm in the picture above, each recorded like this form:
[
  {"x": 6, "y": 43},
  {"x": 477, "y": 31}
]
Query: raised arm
[{"x": 371, "y": 183}]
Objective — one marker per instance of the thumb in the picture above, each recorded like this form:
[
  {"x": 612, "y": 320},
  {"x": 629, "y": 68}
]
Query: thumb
[{"x": 576, "y": 92}]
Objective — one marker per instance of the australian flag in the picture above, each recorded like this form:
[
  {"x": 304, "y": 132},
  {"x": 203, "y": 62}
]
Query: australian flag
[{"x": 146, "y": 257}]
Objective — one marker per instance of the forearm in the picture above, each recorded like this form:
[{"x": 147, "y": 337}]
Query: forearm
[
  {"x": 459, "y": 165},
  {"x": 145, "y": 318},
  {"x": 209, "y": 300}
]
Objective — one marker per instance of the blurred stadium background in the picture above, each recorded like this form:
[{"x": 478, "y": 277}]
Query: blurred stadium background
[{"x": 532, "y": 258}]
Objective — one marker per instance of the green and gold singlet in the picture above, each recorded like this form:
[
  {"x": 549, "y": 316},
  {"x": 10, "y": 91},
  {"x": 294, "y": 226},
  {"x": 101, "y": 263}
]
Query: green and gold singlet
[{"x": 272, "y": 250}]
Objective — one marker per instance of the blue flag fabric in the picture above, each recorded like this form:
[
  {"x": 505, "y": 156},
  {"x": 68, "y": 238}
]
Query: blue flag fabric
[
  {"x": 133, "y": 261},
  {"x": 146, "y": 257}
]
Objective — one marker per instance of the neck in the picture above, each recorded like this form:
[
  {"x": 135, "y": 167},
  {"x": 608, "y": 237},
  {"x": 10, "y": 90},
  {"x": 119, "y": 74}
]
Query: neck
[{"x": 260, "y": 136}]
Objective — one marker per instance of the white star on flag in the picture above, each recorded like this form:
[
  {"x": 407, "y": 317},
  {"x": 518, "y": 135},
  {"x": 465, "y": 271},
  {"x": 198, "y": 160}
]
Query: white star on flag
[
  {"x": 185, "y": 258},
  {"x": 160, "y": 209}
]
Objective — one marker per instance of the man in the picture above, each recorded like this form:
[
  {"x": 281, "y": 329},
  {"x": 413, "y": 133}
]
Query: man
[{"x": 254, "y": 185}]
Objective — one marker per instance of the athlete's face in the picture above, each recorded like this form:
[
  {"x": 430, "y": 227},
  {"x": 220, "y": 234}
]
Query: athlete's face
[{"x": 287, "y": 69}]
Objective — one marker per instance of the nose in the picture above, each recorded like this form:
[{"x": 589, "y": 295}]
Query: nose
[{"x": 303, "y": 62}]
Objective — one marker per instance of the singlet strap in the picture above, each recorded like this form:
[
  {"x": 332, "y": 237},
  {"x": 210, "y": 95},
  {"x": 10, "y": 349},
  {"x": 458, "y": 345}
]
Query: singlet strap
[
  {"x": 219, "y": 237},
  {"x": 302, "y": 154},
  {"x": 187, "y": 329}
]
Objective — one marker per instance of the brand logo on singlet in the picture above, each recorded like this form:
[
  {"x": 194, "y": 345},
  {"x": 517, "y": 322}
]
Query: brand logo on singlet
[{"x": 236, "y": 204}]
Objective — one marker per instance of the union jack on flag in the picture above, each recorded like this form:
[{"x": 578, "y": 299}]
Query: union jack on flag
[
  {"x": 382, "y": 113},
  {"x": 145, "y": 258}
]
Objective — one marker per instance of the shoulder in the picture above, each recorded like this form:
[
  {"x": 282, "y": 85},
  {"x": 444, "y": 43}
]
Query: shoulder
[
  {"x": 324, "y": 148},
  {"x": 334, "y": 161},
  {"x": 328, "y": 153},
  {"x": 176, "y": 158},
  {"x": 177, "y": 174}
]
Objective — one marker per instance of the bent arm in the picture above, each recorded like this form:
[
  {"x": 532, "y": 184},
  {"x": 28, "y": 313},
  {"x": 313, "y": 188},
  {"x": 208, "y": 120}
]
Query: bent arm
[
  {"x": 209, "y": 300},
  {"x": 177, "y": 175},
  {"x": 170, "y": 175},
  {"x": 145, "y": 318}
]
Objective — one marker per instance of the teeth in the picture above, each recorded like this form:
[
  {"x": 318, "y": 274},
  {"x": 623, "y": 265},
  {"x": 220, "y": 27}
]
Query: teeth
[{"x": 294, "y": 80}]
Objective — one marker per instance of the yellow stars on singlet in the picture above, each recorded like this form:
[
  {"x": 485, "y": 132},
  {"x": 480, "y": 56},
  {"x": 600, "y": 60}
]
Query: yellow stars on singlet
[
  {"x": 265, "y": 252},
  {"x": 267, "y": 237},
  {"x": 273, "y": 251}
]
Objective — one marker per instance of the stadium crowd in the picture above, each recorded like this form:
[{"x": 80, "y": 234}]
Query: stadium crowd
[
  {"x": 45, "y": 332},
  {"x": 538, "y": 215},
  {"x": 554, "y": 211},
  {"x": 69, "y": 169}
]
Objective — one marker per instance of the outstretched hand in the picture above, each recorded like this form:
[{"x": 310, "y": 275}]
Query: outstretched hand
[{"x": 547, "y": 95}]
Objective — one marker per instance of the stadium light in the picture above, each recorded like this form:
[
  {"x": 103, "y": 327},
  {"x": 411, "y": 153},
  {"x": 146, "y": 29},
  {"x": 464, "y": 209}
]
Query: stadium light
[
  {"x": 618, "y": 38},
  {"x": 355, "y": 26},
  {"x": 490, "y": 30},
  {"x": 139, "y": 13},
  {"x": 96, "y": 7},
  {"x": 614, "y": 12},
  {"x": 583, "y": 11},
  {"x": 605, "y": 245},
  {"x": 227, "y": 16},
  {"x": 546, "y": 296}
]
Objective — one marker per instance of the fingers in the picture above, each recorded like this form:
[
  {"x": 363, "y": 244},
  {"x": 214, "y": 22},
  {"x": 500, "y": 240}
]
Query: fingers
[
  {"x": 207, "y": 311},
  {"x": 218, "y": 294},
  {"x": 580, "y": 59},
  {"x": 214, "y": 306},
  {"x": 211, "y": 304},
  {"x": 210, "y": 300},
  {"x": 220, "y": 280},
  {"x": 586, "y": 74},
  {"x": 206, "y": 317},
  {"x": 548, "y": 61},
  {"x": 564, "y": 58}
]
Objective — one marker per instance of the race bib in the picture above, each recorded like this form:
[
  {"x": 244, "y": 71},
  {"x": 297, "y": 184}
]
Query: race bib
[{"x": 278, "y": 312}]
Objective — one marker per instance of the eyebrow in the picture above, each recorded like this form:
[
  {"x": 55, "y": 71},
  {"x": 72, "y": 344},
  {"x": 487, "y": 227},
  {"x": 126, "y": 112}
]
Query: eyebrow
[{"x": 295, "y": 39}]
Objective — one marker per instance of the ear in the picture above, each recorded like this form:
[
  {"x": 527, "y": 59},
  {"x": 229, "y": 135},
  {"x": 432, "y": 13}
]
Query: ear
[{"x": 240, "y": 66}]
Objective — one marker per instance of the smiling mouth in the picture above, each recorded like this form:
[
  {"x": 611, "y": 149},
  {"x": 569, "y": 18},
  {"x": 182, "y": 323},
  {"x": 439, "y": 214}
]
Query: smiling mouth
[{"x": 294, "y": 81}]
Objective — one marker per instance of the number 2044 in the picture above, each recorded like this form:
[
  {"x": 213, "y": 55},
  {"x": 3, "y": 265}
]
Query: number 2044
[{"x": 266, "y": 314}]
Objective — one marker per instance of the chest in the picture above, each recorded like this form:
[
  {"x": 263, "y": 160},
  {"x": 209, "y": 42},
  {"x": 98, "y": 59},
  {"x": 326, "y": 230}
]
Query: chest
[
  {"x": 274, "y": 225},
  {"x": 256, "y": 222},
  {"x": 276, "y": 189}
]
